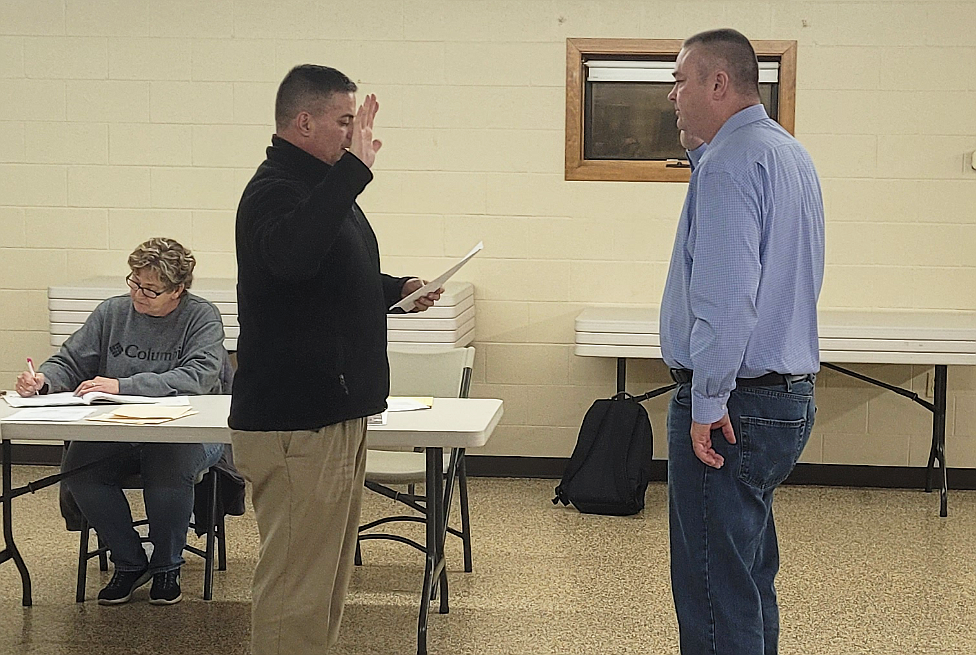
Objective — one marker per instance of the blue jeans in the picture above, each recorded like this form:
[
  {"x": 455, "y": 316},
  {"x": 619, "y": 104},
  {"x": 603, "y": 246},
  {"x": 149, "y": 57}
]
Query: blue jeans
[
  {"x": 169, "y": 472},
  {"x": 724, "y": 553}
]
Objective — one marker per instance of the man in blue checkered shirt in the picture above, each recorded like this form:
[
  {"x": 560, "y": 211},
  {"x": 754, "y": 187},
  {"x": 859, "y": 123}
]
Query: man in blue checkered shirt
[{"x": 739, "y": 331}]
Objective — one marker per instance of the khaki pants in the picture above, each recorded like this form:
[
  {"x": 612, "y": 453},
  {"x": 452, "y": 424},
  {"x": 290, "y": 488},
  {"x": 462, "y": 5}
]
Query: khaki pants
[{"x": 307, "y": 489}]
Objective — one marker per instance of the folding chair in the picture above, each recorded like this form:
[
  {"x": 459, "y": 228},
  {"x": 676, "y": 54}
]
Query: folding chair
[
  {"x": 215, "y": 547},
  {"x": 444, "y": 374}
]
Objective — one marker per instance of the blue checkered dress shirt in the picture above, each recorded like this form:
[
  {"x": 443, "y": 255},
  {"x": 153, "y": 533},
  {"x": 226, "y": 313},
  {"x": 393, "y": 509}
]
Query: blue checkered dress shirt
[{"x": 748, "y": 261}]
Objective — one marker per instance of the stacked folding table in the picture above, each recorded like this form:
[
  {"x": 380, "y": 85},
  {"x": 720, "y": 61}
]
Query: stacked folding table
[{"x": 449, "y": 324}]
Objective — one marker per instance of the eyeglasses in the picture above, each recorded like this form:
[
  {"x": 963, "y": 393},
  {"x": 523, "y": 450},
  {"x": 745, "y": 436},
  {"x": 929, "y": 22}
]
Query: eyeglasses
[{"x": 148, "y": 293}]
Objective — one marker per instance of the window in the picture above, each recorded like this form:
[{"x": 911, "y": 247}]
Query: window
[{"x": 619, "y": 121}]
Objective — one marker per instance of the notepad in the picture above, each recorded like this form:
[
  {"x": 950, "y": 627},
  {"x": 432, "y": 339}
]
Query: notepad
[
  {"x": 408, "y": 403},
  {"x": 376, "y": 419},
  {"x": 92, "y": 398}
]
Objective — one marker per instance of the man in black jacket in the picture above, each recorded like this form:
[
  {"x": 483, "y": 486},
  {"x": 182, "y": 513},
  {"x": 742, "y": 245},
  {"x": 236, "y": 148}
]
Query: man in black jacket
[{"x": 312, "y": 360}]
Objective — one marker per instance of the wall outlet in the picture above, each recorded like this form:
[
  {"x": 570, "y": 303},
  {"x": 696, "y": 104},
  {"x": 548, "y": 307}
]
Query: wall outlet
[{"x": 930, "y": 385}]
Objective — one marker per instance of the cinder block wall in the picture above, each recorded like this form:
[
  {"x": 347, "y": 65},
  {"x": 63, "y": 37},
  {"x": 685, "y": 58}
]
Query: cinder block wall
[{"x": 124, "y": 119}]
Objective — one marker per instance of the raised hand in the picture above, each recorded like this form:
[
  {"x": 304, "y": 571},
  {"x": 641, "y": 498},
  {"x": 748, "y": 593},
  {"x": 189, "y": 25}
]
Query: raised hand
[{"x": 363, "y": 145}]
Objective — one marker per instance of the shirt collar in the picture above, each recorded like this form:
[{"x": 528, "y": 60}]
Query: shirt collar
[{"x": 752, "y": 114}]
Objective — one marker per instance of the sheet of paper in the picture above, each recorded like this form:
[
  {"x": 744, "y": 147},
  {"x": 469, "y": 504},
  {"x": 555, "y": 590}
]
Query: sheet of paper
[
  {"x": 407, "y": 303},
  {"x": 100, "y": 397},
  {"x": 125, "y": 420},
  {"x": 408, "y": 404},
  {"x": 64, "y": 414},
  {"x": 151, "y": 411},
  {"x": 69, "y": 398},
  {"x": 49, "y": 400}
]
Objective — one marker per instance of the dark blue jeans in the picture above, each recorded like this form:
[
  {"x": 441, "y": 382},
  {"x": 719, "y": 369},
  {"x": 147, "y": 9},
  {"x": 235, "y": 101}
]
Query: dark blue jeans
[
  {"x": 169, "y": 472},
  {"x": 724, "y": 553}
]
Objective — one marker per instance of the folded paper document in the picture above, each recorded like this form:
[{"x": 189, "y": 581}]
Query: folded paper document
[
  {"x": 407, "y": 303},
  {"x": 145, "y": 414},
  {"x": 93, "y": 398}
]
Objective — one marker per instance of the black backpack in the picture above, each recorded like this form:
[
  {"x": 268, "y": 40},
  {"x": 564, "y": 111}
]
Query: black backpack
[{"x": 611, "y": 464}]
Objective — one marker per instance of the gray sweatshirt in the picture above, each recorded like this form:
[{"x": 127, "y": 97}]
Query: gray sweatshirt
[{"x": 180, "y": 353}]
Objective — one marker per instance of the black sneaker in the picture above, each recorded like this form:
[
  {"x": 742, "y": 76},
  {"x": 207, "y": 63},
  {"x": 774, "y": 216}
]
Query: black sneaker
[
  {"x": 123, "y": 583},
  {"x": 166, "y": 588}
]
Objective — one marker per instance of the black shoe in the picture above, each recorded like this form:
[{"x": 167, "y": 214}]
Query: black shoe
[
  {"x": 166, "y": 588},
  {"x": 123, "y": 583}
]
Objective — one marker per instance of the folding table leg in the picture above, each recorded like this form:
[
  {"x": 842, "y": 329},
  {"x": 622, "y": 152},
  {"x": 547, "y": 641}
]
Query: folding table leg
[
  {"x": 440, "y": 523},
  {"x": 10, "y": 548},
  {"x": 208, "y": 568},
  {"x": 938, "y": 434},
  {"x": 430, "y": 567},
  {"x": 621, "y": 374}
]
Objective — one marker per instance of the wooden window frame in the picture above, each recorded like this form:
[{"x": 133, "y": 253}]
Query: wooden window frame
[{"x": 579, "y": 50}]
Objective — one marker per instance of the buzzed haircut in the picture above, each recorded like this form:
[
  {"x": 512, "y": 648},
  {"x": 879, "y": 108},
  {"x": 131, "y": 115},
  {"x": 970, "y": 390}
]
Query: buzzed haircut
[
  {"x": 305, "y": 86},
  {"x": 731, "y": 51}
]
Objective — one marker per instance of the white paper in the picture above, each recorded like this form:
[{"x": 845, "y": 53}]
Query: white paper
[
  {"x": 407, "y": 303},
  {"x": 152, "y": 411},
  {"x": 95, "y": 397},
  {"x": 64, "y": 414},
  {"x": 403, "y": 404}
]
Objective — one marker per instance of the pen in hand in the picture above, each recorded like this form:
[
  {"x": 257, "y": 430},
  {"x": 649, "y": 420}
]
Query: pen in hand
[{"x": 29, "y": 382}]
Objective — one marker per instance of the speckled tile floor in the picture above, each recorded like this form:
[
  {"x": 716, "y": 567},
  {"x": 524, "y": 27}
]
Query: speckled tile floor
[{"x": 864, "y": 572}]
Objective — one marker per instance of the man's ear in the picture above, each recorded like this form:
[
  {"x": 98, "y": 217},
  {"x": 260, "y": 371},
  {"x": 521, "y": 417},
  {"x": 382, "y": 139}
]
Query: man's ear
[
  {"x": 304, "y": 123},
  {"x": 720, "y": 85}
]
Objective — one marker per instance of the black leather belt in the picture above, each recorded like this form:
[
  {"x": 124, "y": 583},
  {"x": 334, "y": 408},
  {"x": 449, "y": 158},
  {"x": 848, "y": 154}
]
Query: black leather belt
[{"x": 684, "y": 375}]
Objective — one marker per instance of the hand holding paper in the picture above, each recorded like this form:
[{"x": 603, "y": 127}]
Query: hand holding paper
[
  {"x": 422, "y": 303},
  {"x": 408, "y": 301}
]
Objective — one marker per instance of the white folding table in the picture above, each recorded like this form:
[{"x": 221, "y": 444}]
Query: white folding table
[
  {"x": 450, "y": 423},
  {"x": 926, "y": 337}
]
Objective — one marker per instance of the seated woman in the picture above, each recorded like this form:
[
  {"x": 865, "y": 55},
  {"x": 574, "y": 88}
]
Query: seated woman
[{"x": 159, "y": 340}]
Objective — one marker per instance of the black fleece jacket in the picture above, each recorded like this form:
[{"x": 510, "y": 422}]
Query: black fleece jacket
[{"x": 311, "y": 300}]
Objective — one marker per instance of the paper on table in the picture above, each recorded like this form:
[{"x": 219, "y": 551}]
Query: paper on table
[
  {"x": 65, "y": 414},
  {"x": 408, "y": 404},
  {"x": 127, "y": 420},
  {"x": 151, "y": 411},
  {"x": 69, "y": 398},
  {"x": 407, "y": 303}
]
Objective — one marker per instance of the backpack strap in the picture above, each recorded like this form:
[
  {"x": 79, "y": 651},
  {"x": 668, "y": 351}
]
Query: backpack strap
[{"x": 650, "y": 394}]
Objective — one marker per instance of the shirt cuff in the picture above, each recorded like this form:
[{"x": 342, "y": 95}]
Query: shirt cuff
[{"x": 708, "y": 410}]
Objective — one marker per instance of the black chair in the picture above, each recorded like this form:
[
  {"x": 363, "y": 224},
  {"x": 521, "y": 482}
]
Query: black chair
[{"x": 215, "y": 547}]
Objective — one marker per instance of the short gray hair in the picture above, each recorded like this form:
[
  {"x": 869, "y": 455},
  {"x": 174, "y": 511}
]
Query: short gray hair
[
  {"x": 168, "y": 258},
  {"x": 732, "y": 52},
  {"x": 305, "y": 87}
]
